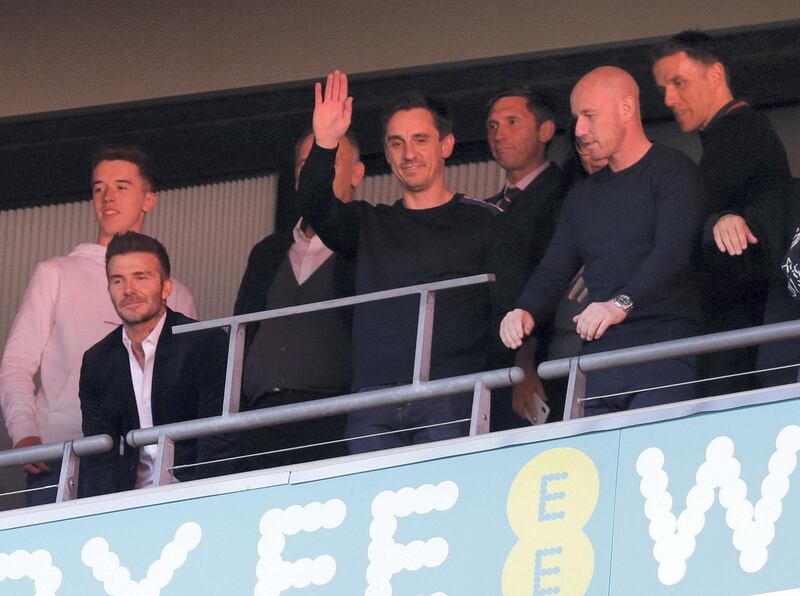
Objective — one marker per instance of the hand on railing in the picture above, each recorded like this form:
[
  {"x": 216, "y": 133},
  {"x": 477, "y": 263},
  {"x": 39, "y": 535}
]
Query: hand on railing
[
  {"x": 38, "y": 467},
  {"x": 516, "y": 326}
]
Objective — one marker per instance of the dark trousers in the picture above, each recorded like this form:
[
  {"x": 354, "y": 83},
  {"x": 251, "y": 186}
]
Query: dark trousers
[
  {"x": 44, "y": 495},
  {"x": 630, "y": 380},
  {"x": 295, "y": 434},
  {"x": 394, "y": 419}
]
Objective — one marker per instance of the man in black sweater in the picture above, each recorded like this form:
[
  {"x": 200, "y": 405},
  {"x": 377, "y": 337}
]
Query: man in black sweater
[
  {"x": 305, "y": 357},
  {"x": 743, "y": 162},
  {"x": 430, "y": 234},
  {"x": 634, "y": 226}
]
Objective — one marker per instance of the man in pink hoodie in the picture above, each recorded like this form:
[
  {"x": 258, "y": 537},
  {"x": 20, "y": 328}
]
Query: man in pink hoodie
[{"x": 65, "y": 310}]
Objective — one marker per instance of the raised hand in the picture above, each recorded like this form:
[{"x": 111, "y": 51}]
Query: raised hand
[{"x": 333, "y": 110}]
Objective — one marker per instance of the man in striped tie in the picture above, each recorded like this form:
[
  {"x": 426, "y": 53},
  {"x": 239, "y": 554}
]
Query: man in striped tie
[{"x": 519, "y": 128}]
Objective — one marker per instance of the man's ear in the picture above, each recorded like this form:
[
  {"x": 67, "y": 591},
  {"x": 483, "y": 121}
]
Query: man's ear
[
  {"x": 448, "y": 142},
  {"x": 717, "y": 74},
  {"x": 547, "y": 131},
  {"x": 358, "y": 174},
  {"x": 166, "y": 290},
  {"x": 150, "y": 201},
  {"x": 628, "y": 107}
]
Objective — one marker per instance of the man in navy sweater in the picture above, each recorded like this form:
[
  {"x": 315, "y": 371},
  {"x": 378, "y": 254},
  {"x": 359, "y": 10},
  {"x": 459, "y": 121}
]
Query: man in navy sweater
[
  {"x": 428, "y": 235},
  {"x": 634, "y": 225}
]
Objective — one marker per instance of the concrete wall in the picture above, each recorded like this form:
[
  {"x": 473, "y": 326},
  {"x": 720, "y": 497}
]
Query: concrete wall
[{"x": 57, "y": 55}]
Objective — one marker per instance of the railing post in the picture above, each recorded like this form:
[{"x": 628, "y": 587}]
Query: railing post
[
  {"x": 233, "y": 369},
  {"x": 165, "y": 459},
  {"x": 68, "y": 479},
  {"x": 481, "y": 409},
  {"x": 422, "y": 351},
  {"x": 576, "y": 391}
]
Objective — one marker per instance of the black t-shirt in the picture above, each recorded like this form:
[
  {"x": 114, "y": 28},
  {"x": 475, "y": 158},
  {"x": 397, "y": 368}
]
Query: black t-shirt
[{"x": 395, "y": 247}]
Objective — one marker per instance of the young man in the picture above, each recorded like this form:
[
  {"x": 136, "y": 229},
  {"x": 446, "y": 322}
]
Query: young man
[
  {"x": 430, "y": 234},
  {"x": 636, "y": 273},
  {"x": 65, "y": 310},
  {"x": 141, "y": 375}
]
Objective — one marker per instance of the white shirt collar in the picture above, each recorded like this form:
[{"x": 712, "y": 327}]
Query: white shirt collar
[
  {"x": 151, "y": 339},
  {"x": 298, "y": 233},
  {"x": 523, "y": 183}
]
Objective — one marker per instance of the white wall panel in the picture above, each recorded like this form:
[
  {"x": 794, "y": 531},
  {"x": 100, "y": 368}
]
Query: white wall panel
[
  {"x": 209, "y": 230},
  {"x": 477, "y": 180}
]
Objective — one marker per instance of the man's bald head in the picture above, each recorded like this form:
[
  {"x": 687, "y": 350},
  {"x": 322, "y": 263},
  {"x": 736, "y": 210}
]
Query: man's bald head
[
  {"x": 605, "y": 103},
  {"x": 609, "y": 80}
]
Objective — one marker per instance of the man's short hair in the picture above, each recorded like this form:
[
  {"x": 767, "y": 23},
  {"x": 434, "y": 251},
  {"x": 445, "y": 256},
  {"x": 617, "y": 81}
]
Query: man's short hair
[
  {"x": 539, "y": 104},
  {"x": 697, "y": 44},
  {"x": 442, "y": 119},
  {"x": 308, "y": 132},
  {"x": 130, "y": 153},
  {"x": 128, "y": 242}
]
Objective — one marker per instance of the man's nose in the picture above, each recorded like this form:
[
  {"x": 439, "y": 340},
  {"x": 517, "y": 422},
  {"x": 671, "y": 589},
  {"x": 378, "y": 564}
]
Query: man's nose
[
  {"x": 580, "y": 128},
  {"x": 670, "y": 97}
]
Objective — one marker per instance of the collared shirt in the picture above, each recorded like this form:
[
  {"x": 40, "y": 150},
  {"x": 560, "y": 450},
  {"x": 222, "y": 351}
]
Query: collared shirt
[
  {"x": 142, "y": 388},
  {"x": 523, "y": 183},
  {"x": 306, "y": 255}
]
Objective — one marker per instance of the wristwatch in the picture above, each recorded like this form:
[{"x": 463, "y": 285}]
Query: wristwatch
[{"x": 623, "y": 302}]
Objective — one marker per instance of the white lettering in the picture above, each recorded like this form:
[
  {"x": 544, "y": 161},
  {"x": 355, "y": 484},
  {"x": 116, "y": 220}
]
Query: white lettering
[
  {"x": 116, "y": 578},
  {"x": 275, "y": 575},
  {"x": 37, "y": 566},
  {"x": 753, "y": 526},
  {"x": 387, "y": 557}
]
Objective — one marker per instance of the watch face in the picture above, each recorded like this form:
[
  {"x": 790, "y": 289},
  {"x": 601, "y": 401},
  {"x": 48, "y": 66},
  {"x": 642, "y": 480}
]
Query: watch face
[{"x": 624, "y": 302}]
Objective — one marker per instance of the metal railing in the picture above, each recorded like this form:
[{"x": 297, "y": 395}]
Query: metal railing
[
  {"x": 231, "y": 420},
  {"x": 577, "y": 367},
  {"x": 68, "y": 451}
]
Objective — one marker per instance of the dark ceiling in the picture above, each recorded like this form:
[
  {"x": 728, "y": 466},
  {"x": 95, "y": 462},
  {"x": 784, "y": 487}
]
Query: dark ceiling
[{"x": 44, "y": 159}]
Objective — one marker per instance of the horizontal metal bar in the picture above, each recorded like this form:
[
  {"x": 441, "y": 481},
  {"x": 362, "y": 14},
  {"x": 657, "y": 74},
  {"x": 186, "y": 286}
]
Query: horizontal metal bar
[
  {"x": 55, "y": 451},
  {"x": 689, "y": 346},
  {"x": 320, "y": 408},
  {"x": 336, "y": 303}
]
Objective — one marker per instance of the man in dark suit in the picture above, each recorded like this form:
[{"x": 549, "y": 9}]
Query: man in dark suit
[
  {"x": 141, "y": 375},
  {"x": 300, "y": 358},
  {"x": 520, "y": 126}
]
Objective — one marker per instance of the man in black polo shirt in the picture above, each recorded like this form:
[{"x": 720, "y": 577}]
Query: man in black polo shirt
[{"x": 743, "y": 161}]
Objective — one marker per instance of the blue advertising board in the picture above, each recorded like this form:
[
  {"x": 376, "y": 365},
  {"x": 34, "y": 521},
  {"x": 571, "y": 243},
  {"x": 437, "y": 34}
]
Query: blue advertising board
[{"x": 695, "y": 505}]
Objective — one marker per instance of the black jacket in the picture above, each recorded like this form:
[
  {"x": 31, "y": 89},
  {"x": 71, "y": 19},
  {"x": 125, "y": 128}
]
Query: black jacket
[{"x": 188, "y": 383}]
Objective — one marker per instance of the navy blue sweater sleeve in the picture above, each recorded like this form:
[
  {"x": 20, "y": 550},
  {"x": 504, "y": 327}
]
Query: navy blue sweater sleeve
[
  {"x": 559, "y": 265},
  {"x": 679, "y": 196},
  {"x": 336, "y": 223}
]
